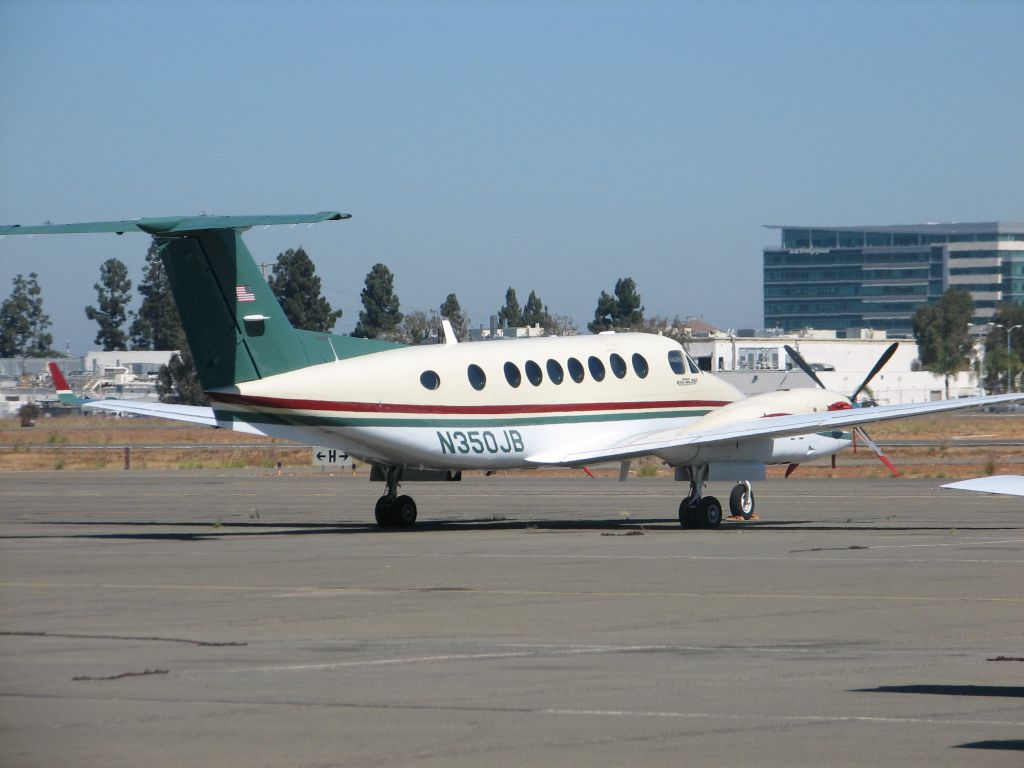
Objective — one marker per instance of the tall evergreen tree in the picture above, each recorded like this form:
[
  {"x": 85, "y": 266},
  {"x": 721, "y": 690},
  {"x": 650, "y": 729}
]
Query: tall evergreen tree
[
  {"x": 295, "y": 283},
  {"x": 380, "y": 315},
  {"x": 534, "y": 313},
  {"x": 156, "y": 324},
  {"x": 944, "y": 346},
  {"x": 23, "y": 324},
  {"x": 451, "y": 311},
  {"x": 113, "y": 294},
  {"x": 623, "y": 310},
  {"x": 510, "y": 314}
]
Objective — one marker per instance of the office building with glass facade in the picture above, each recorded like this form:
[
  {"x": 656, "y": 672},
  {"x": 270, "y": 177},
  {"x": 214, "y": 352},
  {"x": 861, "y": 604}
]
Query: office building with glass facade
[{"x": 837, "y": 278}]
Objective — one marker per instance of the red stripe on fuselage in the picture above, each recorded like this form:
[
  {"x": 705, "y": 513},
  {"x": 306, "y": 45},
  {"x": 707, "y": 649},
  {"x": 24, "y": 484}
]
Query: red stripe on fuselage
[{"x": 355, "y": 407}]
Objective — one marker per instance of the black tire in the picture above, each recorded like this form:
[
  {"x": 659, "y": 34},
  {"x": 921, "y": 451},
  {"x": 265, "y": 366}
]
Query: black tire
[
  {"x": 688, "y": 515},
  {"x": 710, "y": 512},
  {"x": 384, "y": 512},
  {"x": 404, "y": 512},
  {"x": 739, "y": 503}
]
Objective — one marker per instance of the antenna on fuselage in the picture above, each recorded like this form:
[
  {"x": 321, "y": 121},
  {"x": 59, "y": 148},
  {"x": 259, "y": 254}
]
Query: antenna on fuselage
[{"x": 450, "y": 339}]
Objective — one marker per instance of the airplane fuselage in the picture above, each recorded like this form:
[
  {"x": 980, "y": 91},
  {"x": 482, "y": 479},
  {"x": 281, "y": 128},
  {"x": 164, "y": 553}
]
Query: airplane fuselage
[{"x": 493, "y": 405}]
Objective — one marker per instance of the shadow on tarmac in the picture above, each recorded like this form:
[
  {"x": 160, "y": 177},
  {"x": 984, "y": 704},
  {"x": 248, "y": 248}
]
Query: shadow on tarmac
[
  {"x": 211, "y": 531},
  {"x": 1004, "y": 691},
  {"x": 1011, "y": 745}
]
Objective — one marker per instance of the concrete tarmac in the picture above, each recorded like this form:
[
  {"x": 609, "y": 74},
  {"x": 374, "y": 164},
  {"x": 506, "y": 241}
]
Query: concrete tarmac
[{"x": 229, "y": 619}]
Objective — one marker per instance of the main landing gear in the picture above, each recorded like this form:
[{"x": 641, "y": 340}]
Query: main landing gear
[
  {"x": 392, "y": 510},
  {"x": 699, "y": 511},
  {"x": 696, "y": 510}
]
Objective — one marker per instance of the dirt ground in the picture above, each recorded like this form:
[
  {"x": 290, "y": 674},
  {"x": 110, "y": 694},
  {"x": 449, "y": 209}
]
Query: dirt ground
[{"x": 99, "y": 442}]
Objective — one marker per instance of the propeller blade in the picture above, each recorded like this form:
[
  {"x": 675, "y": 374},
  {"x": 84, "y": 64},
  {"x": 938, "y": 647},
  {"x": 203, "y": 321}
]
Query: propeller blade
[
  {"x": 802, "y": 365},
  {"x": 889, "y": 352},
  {"x": 878, "y": 451}
]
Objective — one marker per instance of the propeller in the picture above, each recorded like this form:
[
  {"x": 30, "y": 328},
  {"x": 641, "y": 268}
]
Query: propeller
[
  {"x": 886, "y": 356},
  {"x": 857, "y": 431},
  {"x": 797, "y": 358}
]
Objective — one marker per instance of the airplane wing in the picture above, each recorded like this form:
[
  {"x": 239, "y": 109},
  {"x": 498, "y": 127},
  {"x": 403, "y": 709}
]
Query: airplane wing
[
  {"x": 756, "y": 429},
  {"x": 1008, "y": 485},
  {"x": 191, "y": 413}
]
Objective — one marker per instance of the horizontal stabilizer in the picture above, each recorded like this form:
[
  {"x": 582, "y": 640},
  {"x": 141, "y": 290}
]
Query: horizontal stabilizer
[
  {"x": 173, "y": 225},
  {"x": 194, "y": 414}
]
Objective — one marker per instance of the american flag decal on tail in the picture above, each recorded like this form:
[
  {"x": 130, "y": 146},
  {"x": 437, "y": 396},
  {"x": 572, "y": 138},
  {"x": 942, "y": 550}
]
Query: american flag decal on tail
[{"x": 244, "y": 293}]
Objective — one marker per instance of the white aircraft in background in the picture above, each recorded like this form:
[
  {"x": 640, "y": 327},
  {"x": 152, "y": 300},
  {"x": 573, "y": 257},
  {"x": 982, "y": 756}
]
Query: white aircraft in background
[{"x": 428, "y": 412}]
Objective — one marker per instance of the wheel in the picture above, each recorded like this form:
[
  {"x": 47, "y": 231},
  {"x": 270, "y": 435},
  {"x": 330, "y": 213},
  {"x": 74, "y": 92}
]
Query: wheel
[
  {"x": 688, "y": 514},
  {"x": 741, "y": 501},
  {"x": 403, "y": 510},
  {"x": 709, "y": 512},
  {"x": 384, "y": 512}
]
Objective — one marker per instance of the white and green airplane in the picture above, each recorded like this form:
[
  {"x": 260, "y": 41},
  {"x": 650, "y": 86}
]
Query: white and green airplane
[{"x": 428, "y": 412}]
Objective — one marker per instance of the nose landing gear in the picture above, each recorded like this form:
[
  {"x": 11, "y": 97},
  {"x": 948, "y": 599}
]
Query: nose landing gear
[{"x": 741, "y": 500}]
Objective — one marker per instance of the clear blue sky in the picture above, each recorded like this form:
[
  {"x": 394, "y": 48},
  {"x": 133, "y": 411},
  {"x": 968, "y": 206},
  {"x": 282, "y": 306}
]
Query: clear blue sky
[{"x": 553, "y": 146}]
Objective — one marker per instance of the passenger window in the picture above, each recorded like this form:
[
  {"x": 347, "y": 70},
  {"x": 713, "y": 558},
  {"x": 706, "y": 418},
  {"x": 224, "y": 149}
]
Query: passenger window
[
  {"x": 555, "y": 372},
  {"x": 476, "y": 376},
  {"x": 533, "y": 373},
  {"x": 430, "y": 380},
  {"x": 618, "y": 366},
  {"x": 640, "y": 365},
  {"x": 575, "y": 369},
  {"x": 675, "y": 359},
  {"x": 596, "y": 368},
  {"x": 512, "y": 374}
]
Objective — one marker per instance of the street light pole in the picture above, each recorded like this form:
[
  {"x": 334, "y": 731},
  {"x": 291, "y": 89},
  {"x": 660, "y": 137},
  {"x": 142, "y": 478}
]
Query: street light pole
[
  {"x": 977, "y": 355},
  {"x": 1009, "y": 364}
]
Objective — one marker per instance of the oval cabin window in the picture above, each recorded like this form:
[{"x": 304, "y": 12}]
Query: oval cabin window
[
  {"x": 512, "y": 375},
  {"x": 618, "y": 366},
  {"x": 640, "y": 365},
  {"x": 596, "y": 368},
  {"x": 555, "y": 372},
  {"x": 477, "y": 378},
  {"x": 575, "y": 369},
  {"x": 430, "y": 380},
  {"x": 533, "y": 373}
]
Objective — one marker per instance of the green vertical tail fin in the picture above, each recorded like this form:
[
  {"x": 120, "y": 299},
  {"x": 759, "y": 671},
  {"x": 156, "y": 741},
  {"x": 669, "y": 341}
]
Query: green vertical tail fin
[
  {"x": 234, "y": 324},
  {"x": 235, "y": 327}
]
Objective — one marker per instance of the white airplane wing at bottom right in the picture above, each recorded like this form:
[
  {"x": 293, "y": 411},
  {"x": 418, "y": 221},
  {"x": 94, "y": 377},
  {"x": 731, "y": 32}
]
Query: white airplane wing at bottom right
[{"x": 1009, "y": 485}]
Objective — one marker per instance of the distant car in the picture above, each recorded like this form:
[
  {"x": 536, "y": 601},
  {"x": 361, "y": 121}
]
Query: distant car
[
  {"x": 822, "y": 367},
  {"x": 867, "y": 402}
]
